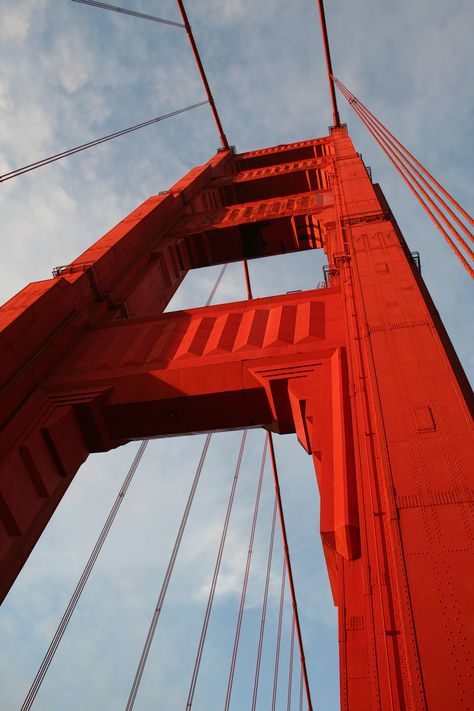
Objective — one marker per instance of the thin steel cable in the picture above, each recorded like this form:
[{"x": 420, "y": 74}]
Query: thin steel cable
[
  {"x": 197, "y": 57},
  {"x": 386, "y": 149},
  {"x": 402, "y": 172},
  {"x": 286, "y": 550},
  {"x": 197, "y": 663},
  {"x": 124, "y": 11},
  {"x": 177, "y": 544},
  {"x": 289, "y": 570},
  {"x": 48, "y": 657},
  {"x": 278, "y": 642},
  {"x": 264, "y": 610},
  {"x": 327, "y": 54},
  {"x": 216, "y": 284},
  {"x": 407, "y": 168},
  {"x": 84, "y": 146},
  {"x": 403, "y": 157},
  {"x": 290, "y": 667},
  {"x": 166, "y": 580},
  {"x": 246, "y": 579},
  {"x": 301, "y": 690},
  {"x": 443, "y": 190}
]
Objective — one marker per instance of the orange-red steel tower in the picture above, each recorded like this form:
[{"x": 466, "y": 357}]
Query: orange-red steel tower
[{"x": 362, "y": 370}]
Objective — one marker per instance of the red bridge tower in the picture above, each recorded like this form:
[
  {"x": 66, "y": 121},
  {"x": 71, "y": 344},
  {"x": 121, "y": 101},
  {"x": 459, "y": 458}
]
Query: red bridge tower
[{"x": 362, "y": 371}]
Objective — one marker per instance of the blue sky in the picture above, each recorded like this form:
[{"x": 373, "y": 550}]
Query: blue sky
[{"x": 69, "y": 73}]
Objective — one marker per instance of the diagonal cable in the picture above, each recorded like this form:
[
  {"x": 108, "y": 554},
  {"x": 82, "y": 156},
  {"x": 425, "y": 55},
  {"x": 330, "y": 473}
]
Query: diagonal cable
[
  {"x": 245, "y": 581},
  {"x": 264, "y": 611},
  {"x": 166, "y": 580},
  {"x": 396, "y": 155},
  {"x": 290, "y": 666},
  {"x": 48, "y": 657},
  {"x": 84, "y": 146},
  {"x": 58, "y": 635},
  {"x": 207, "y": 615},
  {"x": 409, "y": 155},
  {"x": 278, "y": 641},
  {"x": 404, "y": 169},
  {"x": 124, "y": 11}
]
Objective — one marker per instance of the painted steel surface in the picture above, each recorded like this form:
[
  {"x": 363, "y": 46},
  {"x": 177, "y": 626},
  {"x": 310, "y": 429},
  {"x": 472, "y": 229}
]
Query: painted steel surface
[{"x": 362, "y": 371}]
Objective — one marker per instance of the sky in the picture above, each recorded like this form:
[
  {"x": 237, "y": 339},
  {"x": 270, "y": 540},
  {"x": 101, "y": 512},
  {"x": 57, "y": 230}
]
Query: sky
[{"x": 70, "y": 73}]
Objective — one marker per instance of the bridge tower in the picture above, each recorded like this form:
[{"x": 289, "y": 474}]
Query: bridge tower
[{"x": 361, "y": 370}]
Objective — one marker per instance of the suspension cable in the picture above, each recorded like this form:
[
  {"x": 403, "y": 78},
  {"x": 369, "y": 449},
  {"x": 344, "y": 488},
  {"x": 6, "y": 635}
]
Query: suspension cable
[
  {"x": 290, "y": 666},
  {"x": 284, "y": 536},
  {"x": 245, "y": 581},
  {"x": 301, "y": 689},
  {"x": 391, "y": 152},
  {"x": 409, "y": 155},
  {"x": 327, "y": 54},
  {"x": 71, "y": 151},
  {"x": 48, "y": 657},
  {"x": 402, "y": 166},
  {"x": 197, "y": 57},
  {"x": 197, "y": 663},
  {"x": 176, "y": 547},
  {"x": 166, "y": 580},
  {"x": 289, "y": 570},
  {"x": 124, "y": 11},
  {"x": 372, "y": 123},
  {"x": 398, "y": 148},
  {"x": 264, "y": 610},
  {"x": 278, "y": 642}
]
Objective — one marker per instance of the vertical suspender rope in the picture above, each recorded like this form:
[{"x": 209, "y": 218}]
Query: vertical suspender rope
[
  {"x": 264, "y": 610},
  {"x": 200, "y": 67},
  {"x": 301, "y": 690},
  {"x": 48, "y": 657},
  {"x": 290, "y": 667},
  {"x": 245, "y": 581},
  {"x": 176, "y": 547},
  {"x": 289, "y": 570},
  {"x": 278, "y": 641},
  {"x": 166, "y": 580},
  {"x": 197, "y": 663},
  {"x": 284, "y": 536},
  {"x": 58, "y": 635}
]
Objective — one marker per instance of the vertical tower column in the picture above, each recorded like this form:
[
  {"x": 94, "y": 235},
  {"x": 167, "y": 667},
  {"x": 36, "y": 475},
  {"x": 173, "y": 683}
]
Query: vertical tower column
[{"x": 409, "y": 593}]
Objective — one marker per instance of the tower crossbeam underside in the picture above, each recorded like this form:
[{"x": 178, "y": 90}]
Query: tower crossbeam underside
[{"x": 362, "y": 371}]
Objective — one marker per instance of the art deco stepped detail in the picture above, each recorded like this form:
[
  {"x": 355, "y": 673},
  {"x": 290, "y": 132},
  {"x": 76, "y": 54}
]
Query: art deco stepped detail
[{"x": 361, "y": 370}]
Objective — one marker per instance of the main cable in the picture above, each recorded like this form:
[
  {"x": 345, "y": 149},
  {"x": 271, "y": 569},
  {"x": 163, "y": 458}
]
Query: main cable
[
  {"x": 245, "y": 581},
  {"x": 207, "y": 615},
  {"x": 84, "y": 146},
  {"x": 58, "y": 635},
  {"x": 124, "y": 11},
  {"x": 197, "y": 57},
  {"x": 409, "y": 155},
  {"x": 404, "y": 169},
  {"x": 396, "y": 156}
]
